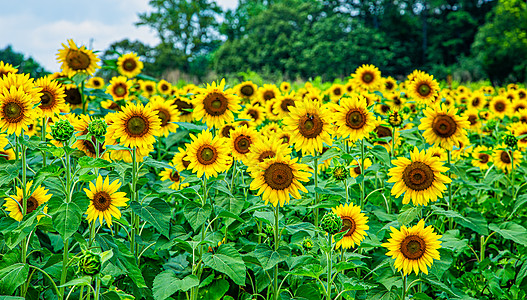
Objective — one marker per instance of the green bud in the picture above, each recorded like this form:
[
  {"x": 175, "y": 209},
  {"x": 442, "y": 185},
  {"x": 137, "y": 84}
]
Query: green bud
[
  {"x": 340, "y": 173},
  {"x": 97, "y": 127},
  {"x": 510, "y": 140},
  {"x": 307, "y": 244},
  {"x": 62, "y": 130},
  {"x": 90, "y": 263},
  {"x": 331, "y": 223}
]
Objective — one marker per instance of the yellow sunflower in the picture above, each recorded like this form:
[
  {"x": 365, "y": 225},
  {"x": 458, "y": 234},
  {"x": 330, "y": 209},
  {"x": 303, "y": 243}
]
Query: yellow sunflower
[
  {"x": 207, "y": 155},
  {"x": 147, "y": 87},
  {"x": 23, "y": 83},
  {"x": 396, "y": 101},
  {"x": 390, "y": 84},
  {"x": 503, "y": 158},
  {"x": 278, "y": 178},
  {"x": 354, "y": 222},
  {"x": 111, "y": 105},
  {"x": 6, "y": 68},
  {"x": 383, "y": 130},
  {"x": 267, "y": 92},
  {"x": 414, "y": 248},
  {"x": 472, "y": 116},
  {"x": 95, "y": 83},
  {"x": 481, "y": 157},
  {"x": 270, "y": 129},
  {"x": 424, "y": 89},
  {"x": 477, "y": 100},
  {"x": 174, "y": 177},
  {"x": 310, "y": 126},
  {"x": 164, "y": 87},
  {"x": 336, "y": 91},
  {"x": 264, "y": 148},
  {"x": 105, "y": 200},
  {"x": 270, "y": 113},
  {"x": 180, "y": 160},
  {"x": 185, "y": 107},
  {"x": 438, "y": 152},
  {"x": 285, "y": 87},
  {"x": 419, "y": 178},
  {"x": 442, "y": 126},
  {"x": 246, "y": 90},
  {"x": 500, "y": 107},
  {"x": 225, "y": 130},
  {"x": 75, "y": 59},
  {"x": 14, "y": 204},
  {"x": 52, "y": 99},
  {"x": 240, "y": 140},
  {"x": 355, "y": 167},
  {"x": 119, "y": 88},
  {"x": 284, "y": 137},
  {"x": 16, "y": 111},
  {"x": 129, "y": 65},
  {"x": 520, "y": 131},
  {"x": 73, "y": 96},
  {"x": 8, "y": 154},
  {"x": 368, "y": 77},
  {"x": 216, "y": 106},
  {"x": 88, "y": 144},
  {"x": 255, "y": 113},
  {"x": 282, "y": 104},
  {"x": 167, "y": 113},
  {"x": 135, "y": 126},
  {"x": 352, "y": 118}
]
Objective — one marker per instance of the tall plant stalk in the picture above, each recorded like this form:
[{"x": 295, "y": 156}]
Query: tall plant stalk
[{"x": 65, "y": 256}]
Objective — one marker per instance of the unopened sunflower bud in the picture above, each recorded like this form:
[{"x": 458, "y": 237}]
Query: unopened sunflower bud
[
  {"x": 97, "y": 127},
  {"x": 90, "y": 263},
  {"x": 395, "y": 119},
  {"x": 340, "y": 173},
  {"x": 510, "y": 140},
  {"x": 307, "y": 244},
  {"x": 62, "y": 130},
  {"x": 331, "y": 223}
]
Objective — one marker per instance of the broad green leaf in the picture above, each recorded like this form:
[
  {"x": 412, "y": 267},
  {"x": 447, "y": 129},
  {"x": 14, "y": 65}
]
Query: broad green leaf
[
  {"x": 269, "y": 258},
  {"x": 381, "y": 154},
  {"x": 511, "y": 231},
  {"x": 157, "y": 164},
  {"x": 12, "y": 277},
  {"x": 227, "y": 260},
  {"x": 216, "y": 290},
  {"x": 408, "y": 214},
  {"x": 8, "y": 173},
  {"x": 85, "y": 280},
  {"x": 67, "y": 217},
  {"x": 190, "y": 126},
  {"x": 307, "y": 292},
  {"x": 157, "y": 213},
  {"x": 15, "y": 235},
  {"x": 196, "y": 215},
  {"x": 167, "y": 283},
  {"x": 91, "y": 162}
]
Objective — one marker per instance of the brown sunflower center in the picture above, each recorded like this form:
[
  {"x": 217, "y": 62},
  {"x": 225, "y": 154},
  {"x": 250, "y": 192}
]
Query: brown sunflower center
[
  {"x": 382, "y": 132},
  {"x": 475, "y": 102},
  {"x": 268, "y": 95},
  {"x": 164, "y": 87},
  {"x": 73, "y": 96},
  {"x": 207, "y": 155},
  {"x": 357, "y": 170},
  {"x": 418, "y": 176},
  {"x": 286, "y": 103},
  {"x": 424, "y": 90},
  {"x": 96, "y": 83},
  {"x": 247, "y": 90},
  {"x": 215, "y": 104},
  {"x": 31, "y": 204},
  {"x": 120, "y": 90},
  {"x": 265, "y": 155},
  {"x": 337, "y": 92},
  {"x": 129, "y": 64},
  {"x": 253, "y": 113},
  {"x": 413, "y": 247},
  {"x": 13, "y": 112},
  {"x": 367, "y": 77},
  {"x": 164, "y": 115},
  {"x": 522, "y": 95},
  {"x": 483, "y": 158},
  {"x": 182, "y": 106},
  {"x": 137, "y": 126},
  {"x": 310, "y": 126},
  {"x": 348, "y": 224},
  {"x": 473, "y": 119},
  {"x": 174, "y": 176},
  {"x": 397, "y": 101},
  {"x": 389, "y": 85},
  {"x": 355, "y": 118},
  {"x": 278, "y": 176},
  {"x": 149, "y": 88},
  {"x": 46, "y": 100},
  {"x": 444, "y": 126},
  {"x": 185, "y": 162},
  {"x": 385, "y": 108},
  {"x": 505, "y": 157},
  {"x": 102, "y": 201},
  {"x": 285, "y": 139},
  {"x": 242, "y": 143},
  {"x": 499, "y": 106},
  {"x": 226, "y": 130},
  {"x": 77, "y": 60},
  {"x": 90, "y": 144}
]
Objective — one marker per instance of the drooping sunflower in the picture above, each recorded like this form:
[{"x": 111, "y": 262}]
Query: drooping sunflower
[
  {"x": 129, "y": 65},
  {"x": 119, "y": 88},
  {"x": 503, "y": 158},
  {"x": 282, "y": 104},
  {"x": 352, "y": 118},
  {"x": 16, "y": 110},
  {"x": 255, "y": 113},
  {"x": 368, "y": 77},
  {"x": 76, "y": 60},
  {"x": 105, "y": 200},
  {"x": 167, "y": 113},
  {"x": 500, "y": 106},
  {"x": 246, "y": 90},
  {"x": 6, "y": 68},
  {"x": 264, "y": 148},
  {"x": 309, "y": 125},
  {"x": 424, "y": 89},
  {"x": 135, "y": 126},
  {"x": 278, "y": 178},
  {"x": 240, "y": 140},
  {"x": 95, "y": 83},
  {"x": 419, "y": 178},
  {"x": 52, "y": 99},
  {"x": 354, "y": 222},
  {"x": 164, "y": 87},
  {"x": 355, "y": 167},
  {"x": 481, "y": 158},
  {"x": 207, "y": 155},
  {"x": 443, "y": 126},
  {"x": 215, "y": 105},
  {"x": 14, "y": 204},
  {"x": 175, "y": 178},
  {"x": 414, "y": 248}
]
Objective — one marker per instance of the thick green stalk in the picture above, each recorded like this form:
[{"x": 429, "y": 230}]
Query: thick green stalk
[
  {"x": 330, "y": 266},
  {"x": 83, "y": 98},
  {"x": 97, "y": 287},
  {"x": 450, "y": 202},
  {"x": 316, "y": 192},
  {"x": 65, "y": 256},
  {"x": 276, "y": 292},
  {"x": 404, "y": 288},
  {"x": 362, "y": 185},
  {"x": 24, "y": 208},
  {"x": 133, "y": 246},
  {"x": 43, "y": 138},
  {"x": 511, "y": 154}
]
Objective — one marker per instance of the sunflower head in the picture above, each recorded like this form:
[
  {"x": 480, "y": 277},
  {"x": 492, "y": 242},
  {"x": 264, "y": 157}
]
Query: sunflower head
[
  {"x": 62, "y": 130},
  {"x": 97, "y": 127},
  {"x": 510, "y": 140},
  {"x": 75, "y": 59},
  {"x": 129, "y": 65},
  {"x": 89, "y": 263},
  {"x": 331, "y": 223},
  {"x": 307, "y": 244},
  {"x": 340, "y": 173}
]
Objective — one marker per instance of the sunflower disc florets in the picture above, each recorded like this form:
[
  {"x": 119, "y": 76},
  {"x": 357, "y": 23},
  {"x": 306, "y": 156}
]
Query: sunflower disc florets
[
  {"x": 331, "y": 223},
  {"x": 62, "y": 130},
  {"x": 307, "y": 244},
  {"x": 340, "y": 173},
  {"x": 90, "y": 263}
]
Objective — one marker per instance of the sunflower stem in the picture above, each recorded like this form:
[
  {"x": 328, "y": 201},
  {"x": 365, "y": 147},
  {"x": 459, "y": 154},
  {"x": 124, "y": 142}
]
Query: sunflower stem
[
  {"x": 276, "y": 242},
  {"x": 65, "y": 256},
  {"x": 233, "y": 173},
  {"x": 97, "y": 287},
  {"x": 450, "y": 220},
  {"x": 24, "y": 206},
  {"x": 392, "y": 153},
  {"x": 511, "y": 154},
  {"x": 346, "y": 187},
  {"x": 83, "y": 99},
  {"x": 316, "y": 188},
  {"x": 43, "y": 138},
  {"x": 362, "y": 185},
  {"x": 133, "y": 246},
  {"x": 330, "y": 267},
  {"x": 404, "y": 288}
]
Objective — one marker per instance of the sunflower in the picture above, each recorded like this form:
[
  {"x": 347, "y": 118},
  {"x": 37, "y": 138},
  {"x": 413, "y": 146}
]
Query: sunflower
[
  {"x": 396, "y": 101},
  {"x": 174, "y": 177},
  {"x": 368, "y": 77},
  {"x": 520, "y": 131},
  {"x": 207, "y": 155},
  {"x": 285, "y": 87},
  {"x": 336, "y": 91},
  {"x": 87, "y": 145},
  {"x": 75, "y": 59},
  {"x": 8, "y": 154},
  {"x": 181, "y": 160},
  {"x": 310, "y": 126},
  {"x": 354, "y": 222},
  {"x": 355, "y": 167},
  {"x": 164, "y": 87},
  {"x": 270, "y": 113},
  {"x": 52, "y": 99},
  {"x": 500, "y": 106},
  {"x": 267, "y": 92},
  {"x": 443, "y": 126},
  {"x": 255, "y": 113},
  {"x": 23, "y": 83},
  {"x": 414, "y": 248},
  {"x": 481, "y": 157},
  {"x": 424, "y": 89},
  {"x": 383, "y": 130},
  {"x": 6, "y": 68},
  {"x": 185, "y": 107},
  {"x": 477, "y": 100},
  {"x": 472, "y": 116},
  {"x": 464, "y": 149},
  {"x": 352, "y": 118},
  {"x": 436, "y": 151},
  {"x": 390, "y": 84},
  {"x": 246, "y": 90},
  {"x": 105, "y": 200},
  {"x": 147, "y": 87},
  {"x": 284, "y": 137},
  {"x": 16, "y": 110},
  {"x": 73, "y": 95},
  {"x": 504, "y": 157},
  {"x": 215, "y": 106},
  {"x": 415, "y": 73},
  {"x": 270, "y": 129},
  {"x": 420, "y": 178},
  {"x": 167, "y": 113},
  {"x": 95, "y": 83},
  {"x": 136, "y": 126},
  {"x": 110, "y": 105},
  {"x": 349, "y": 87},
  {"x": 282, "y": 104},
  {"x": 225, "y": 130},
  {"x": 522, "y": 94},
  {"x": 14, "y": 206},
  {"x": 240, "y": 140},
  {"x": 264, "y": 148},
  {"x": 119, "y": 88},
  {"x": 129, "y": 65},
  {"x": 278, "y": 178}
]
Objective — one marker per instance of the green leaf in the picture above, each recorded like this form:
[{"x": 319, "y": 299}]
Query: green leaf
[
  {"x": 91, "y": 162},
  {"x": 408, "y": 214},
  {"x": 227, "y": 260},
  {"x": 519, "y": 202},
  {"x": 190, "y": 126},
  {"x": 157, "y": 213},
  {"x": 8, "y": 173},
  {"x": 269, "y": 258},
  {"x": 85, "y": 280},
  {"x": 157, "y": 164},
  {"x": 196, "y": 215},
  {"x": 167, "y": 283},
  {"x": 67, "y": 217},
  {"x": 79, "y": 78},
  {"x": 381, "y": 154},
  {"x": 511, "y": 231},
  {"x": 307, "y": 292},
  {"x": 216, "y": 290},
  {"x": 22, "y": 229},
  {"x": 12, "y": 277}
]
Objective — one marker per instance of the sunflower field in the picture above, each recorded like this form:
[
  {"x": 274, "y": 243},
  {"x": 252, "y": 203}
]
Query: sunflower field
[{"x": 367, "y": 188}]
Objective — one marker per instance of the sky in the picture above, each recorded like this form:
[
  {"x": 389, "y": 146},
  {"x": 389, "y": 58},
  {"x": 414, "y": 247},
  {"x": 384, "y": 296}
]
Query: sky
[{"x": 38, "y": 28}]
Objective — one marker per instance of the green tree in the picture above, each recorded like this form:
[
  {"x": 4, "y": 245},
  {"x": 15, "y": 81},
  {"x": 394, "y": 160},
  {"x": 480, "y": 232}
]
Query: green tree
[{"x": 24, "y": 65}]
